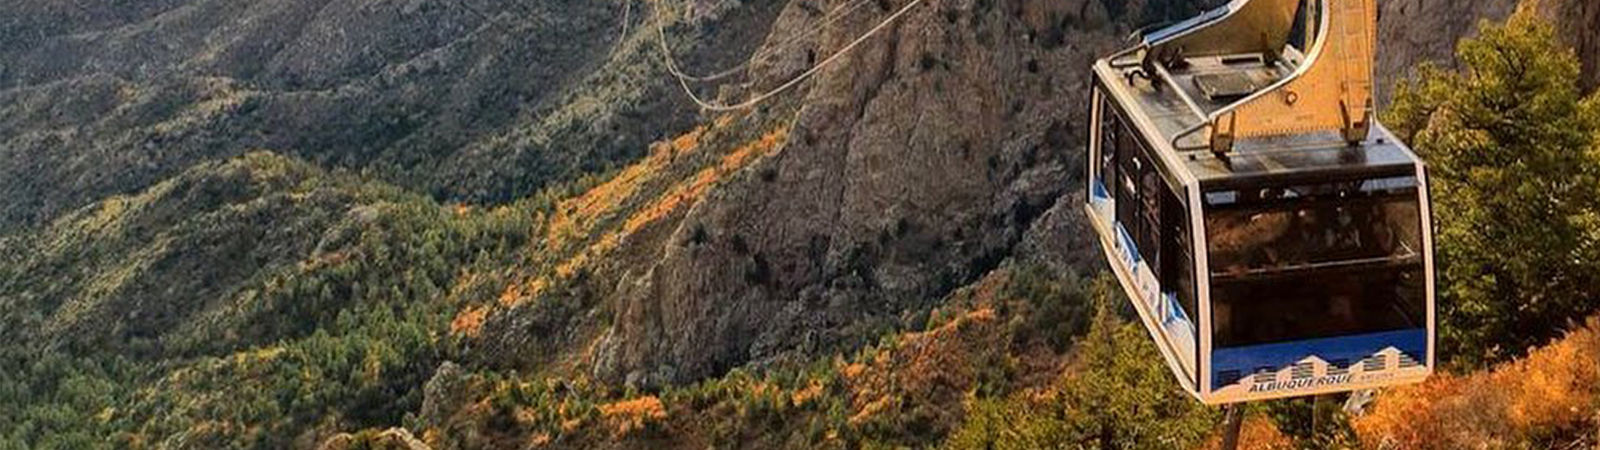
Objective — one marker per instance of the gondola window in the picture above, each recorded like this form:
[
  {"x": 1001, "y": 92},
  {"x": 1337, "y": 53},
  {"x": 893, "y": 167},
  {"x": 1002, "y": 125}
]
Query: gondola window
[{"x": 1315, "y": 261}]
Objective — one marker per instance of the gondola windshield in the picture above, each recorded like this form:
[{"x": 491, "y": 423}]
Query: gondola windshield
[{"x": 1315, "y": 261}]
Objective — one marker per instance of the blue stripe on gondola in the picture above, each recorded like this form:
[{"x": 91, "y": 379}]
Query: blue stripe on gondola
[
  {"x": 1098, "y": 190},
  {"x": 1130, "y": 251},
  {"x": 1245, "y": 360},
  {"x": 1175, "y": 310}
]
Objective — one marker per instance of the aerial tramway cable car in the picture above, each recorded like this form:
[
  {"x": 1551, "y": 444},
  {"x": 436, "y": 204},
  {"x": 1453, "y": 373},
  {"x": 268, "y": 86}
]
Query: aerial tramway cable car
[{"x": 1274, "y": 238}]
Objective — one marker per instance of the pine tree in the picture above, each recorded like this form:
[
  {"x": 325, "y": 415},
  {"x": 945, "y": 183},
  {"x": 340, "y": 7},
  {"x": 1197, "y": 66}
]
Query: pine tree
[{"x": 1510, "y": 142}]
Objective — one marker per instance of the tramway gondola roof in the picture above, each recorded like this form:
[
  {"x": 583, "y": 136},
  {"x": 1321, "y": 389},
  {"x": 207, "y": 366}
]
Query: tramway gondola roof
[{"x": 1312, "y": 156}]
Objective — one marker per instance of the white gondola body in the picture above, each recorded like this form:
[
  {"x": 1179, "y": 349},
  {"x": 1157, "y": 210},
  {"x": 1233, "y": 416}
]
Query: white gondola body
[{"x": 1216, "y": 374}]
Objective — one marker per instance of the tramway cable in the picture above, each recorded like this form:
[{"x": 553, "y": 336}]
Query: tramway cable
[
  {"x": 622, "y": 36},
  {"x": 683, "y": 79},
  {"x": 828, "y": 19}
]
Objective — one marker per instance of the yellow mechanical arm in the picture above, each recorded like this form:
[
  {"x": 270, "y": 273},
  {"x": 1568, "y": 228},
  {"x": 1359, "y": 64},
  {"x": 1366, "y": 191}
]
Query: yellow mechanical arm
[{"x": 1331, "y": 90}]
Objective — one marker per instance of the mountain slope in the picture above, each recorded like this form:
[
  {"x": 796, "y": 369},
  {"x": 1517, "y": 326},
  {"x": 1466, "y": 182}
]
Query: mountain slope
[
  {"x": 233, "y": 255},
  {"x": 485, "y": 102},
  {"x": 482, "y": 226},
  {"x": 311, "y": 299},
  {"x": 117, "y": 275},
  {"x": 1411, "y": 32}
]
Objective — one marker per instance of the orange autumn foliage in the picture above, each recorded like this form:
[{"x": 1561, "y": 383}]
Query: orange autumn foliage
[
  {"x": 469, "y": 321},
  {"x": 1549, "y": 397},
  {"x": 696, "y": 187},
  {"x": 630, "y": 415},
  {"x": 806, "y": 394},
  {"x": 1256, "y": 433},
  {"x": 576, "y": 220},
  {"x": 688, "y": 141},
  {"x": 924, "y": 368},
  {"x": 514, "y": 293}
]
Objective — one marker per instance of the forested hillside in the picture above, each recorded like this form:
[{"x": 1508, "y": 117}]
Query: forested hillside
[
  {"x": 352, "y": 224},
  {"x": 475, "y": 101}
]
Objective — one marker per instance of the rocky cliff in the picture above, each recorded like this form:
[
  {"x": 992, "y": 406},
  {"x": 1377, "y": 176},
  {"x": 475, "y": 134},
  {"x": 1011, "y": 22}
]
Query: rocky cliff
[
  {"x": 1411, "y": 32},
  {"x": 1415, "y": 31},
  {"x": 914, "y": 166}
]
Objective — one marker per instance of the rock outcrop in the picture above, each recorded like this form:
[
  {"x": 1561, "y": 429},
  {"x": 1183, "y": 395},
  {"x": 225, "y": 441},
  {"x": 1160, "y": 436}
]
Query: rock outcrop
[
  {"x": 444, "y": 394},
  {"x": 915, "y": 166},
  {"x": 1413, "y": 31},
  {"x": 390, "y": 439}
]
